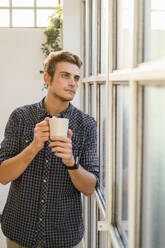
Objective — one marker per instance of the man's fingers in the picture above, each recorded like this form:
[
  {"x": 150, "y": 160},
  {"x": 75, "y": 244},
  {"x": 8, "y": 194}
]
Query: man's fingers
[
  {"x": 45, "y": 122},
  {"x": 42, "y": 128},
  {"x": 70, "y": 133},
  {"x": 60, "y": 144}
]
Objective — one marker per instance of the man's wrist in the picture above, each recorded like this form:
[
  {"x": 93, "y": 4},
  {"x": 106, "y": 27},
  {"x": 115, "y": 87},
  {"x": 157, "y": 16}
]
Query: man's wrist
[
  {"x": 74, "y": 165},
  {"x": 34, "y": 148}
]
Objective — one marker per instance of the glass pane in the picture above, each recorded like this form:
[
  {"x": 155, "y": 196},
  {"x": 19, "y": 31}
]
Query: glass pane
[
  {"x": 23, "y": 18},
  {"x": 122, "y": 117},
  {"x": 99, "y": 34},
  {"x": 84, "y": 38},
  {"x": 154, "y": 35},
  {"x": 4, "y": 20},
  {"x": 102, "y": 139},
  {"x": 123, "y": 33},
  {"x": 91, "y": 100},
  {"x": 47, "y": 3},
  {"x": 153, "y": 185},
  {"x": 23, "y": 3},
  {"x": 43, "y": 17},
  {"x": 91, "y": 37},
  {"x": 4, "y": 3},
  {"x": 104, "y": 34}
]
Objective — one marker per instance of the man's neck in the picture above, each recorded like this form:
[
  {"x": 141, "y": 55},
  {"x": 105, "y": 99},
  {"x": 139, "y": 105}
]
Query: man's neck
[{"x": 53, "y": 106}]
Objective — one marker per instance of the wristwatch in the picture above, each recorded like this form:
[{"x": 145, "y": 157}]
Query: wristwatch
[{"x": 75, "y": 166}]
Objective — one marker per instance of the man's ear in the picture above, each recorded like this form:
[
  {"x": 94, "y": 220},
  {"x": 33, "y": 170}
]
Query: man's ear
[{"x": 47, "y": 78}]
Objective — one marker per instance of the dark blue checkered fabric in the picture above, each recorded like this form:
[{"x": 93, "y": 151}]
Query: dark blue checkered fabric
[{"x": 43, "y": 205}]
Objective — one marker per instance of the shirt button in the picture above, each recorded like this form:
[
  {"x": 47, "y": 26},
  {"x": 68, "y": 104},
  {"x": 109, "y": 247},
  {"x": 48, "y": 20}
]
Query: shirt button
[
  {"x": 40, "y": 219},
  {"x": 44, "y": 180},
  {"x": 26, "y": 141},
  {"x": 42, "y": 201},
  {"x": 47, "y": 161}
]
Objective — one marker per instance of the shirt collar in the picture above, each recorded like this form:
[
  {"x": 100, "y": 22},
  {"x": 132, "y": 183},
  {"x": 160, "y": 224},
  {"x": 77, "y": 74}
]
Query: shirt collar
[{"x": 64, "y": 114}]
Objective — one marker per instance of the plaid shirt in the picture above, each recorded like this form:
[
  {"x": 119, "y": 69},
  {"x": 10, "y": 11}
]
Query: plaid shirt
[{"x": 43, "y": 205}]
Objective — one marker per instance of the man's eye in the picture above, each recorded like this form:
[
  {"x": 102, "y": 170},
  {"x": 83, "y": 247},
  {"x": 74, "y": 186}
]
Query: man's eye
[
  {"x": 65, "y": 75},
  {"x": 77, "y": 79}
]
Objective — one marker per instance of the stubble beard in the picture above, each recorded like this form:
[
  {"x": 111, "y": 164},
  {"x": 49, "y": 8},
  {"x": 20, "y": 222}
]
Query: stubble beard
[{"x": 63, "y": 99}]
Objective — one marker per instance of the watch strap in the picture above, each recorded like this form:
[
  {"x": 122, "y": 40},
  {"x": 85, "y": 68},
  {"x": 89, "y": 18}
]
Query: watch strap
[{"x": 75, "y": 166}]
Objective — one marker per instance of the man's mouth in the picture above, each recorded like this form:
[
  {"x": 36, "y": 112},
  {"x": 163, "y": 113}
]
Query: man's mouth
[{"x": 71, "y": 91}]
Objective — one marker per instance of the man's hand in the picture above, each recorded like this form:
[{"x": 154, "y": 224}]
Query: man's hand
[
  {"x": 41, "y": 134},
  {"x": 62, "y": 147}
]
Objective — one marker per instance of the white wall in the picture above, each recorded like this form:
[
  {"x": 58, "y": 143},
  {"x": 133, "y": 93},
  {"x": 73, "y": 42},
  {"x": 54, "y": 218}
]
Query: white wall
[{"x": 20, "y": 80}]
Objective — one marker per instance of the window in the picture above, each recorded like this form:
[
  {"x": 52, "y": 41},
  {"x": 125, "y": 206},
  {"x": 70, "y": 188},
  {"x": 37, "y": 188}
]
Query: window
[
  {"x": 154, "y": 30},
  {"x": 134, "y": 126},
  {"x": 122, "y": 116},
  {"x": 153, "y": 172},
  {"x": 26, "y": 13}
]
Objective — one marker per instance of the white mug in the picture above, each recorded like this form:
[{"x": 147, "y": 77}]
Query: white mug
[{"x": 58, "y": 127}]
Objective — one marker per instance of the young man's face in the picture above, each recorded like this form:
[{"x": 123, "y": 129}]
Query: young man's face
[{"x": 65, "y": 81}]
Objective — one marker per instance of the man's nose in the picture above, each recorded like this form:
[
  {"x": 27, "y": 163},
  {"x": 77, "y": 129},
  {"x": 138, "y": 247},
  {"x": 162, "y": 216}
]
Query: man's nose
[{"x": 72, "y": 81}]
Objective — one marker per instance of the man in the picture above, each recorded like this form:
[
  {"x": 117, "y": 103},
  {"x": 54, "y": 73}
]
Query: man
[{"x": 43, "y": 208}]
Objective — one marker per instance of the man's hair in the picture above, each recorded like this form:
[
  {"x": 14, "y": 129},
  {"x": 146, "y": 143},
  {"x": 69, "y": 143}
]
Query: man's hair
[{"x": 60, "y": 56}]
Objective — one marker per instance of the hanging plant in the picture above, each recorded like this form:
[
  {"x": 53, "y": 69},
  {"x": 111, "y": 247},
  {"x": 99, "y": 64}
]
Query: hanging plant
[{"x": 53, "y": 34}]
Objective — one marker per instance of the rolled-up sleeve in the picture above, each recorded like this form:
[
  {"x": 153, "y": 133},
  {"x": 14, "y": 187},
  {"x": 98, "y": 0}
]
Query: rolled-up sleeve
[
  {"x": 89, "y": 159},
  {"x": 10, "y": 144}
]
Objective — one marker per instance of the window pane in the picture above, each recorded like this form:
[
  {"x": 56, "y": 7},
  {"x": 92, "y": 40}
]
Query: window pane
[
  {"x": 23, "y": 3},
  {"x": 84, "y": 38},
  {"x": 123, "y": 33},
  {"x": 43, "y": 17},
  {"x": 91, "y": 101},
  {"x": 23, "y": 18},
  {"x": 4, "y": 20},
  {"x": 154, "y": 35},
  {"x": 91, "y": 37},
  {"x": 99, "y": 35},
  {"x": 102, "y": 138},
  {"x": 153, "y": 185},
  {"x": 47, "y": 3},
  {"x": 104, "y": 34},
  {"x": 122, "y": 117},
  {"x": 4, "y": 3}
]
